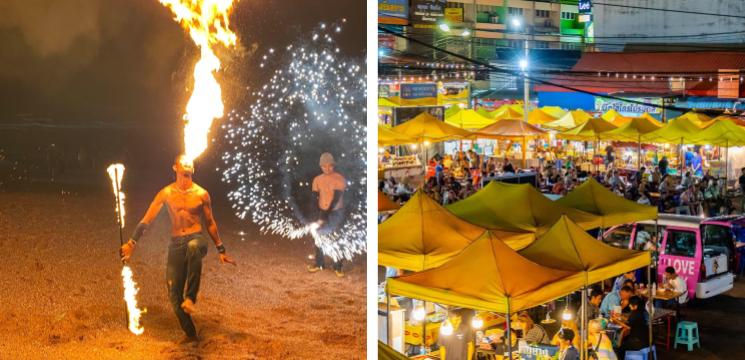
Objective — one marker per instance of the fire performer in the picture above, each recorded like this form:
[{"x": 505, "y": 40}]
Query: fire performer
[
  {"x": 328, "y": 188},
  {"x": 187, "y": 204}
]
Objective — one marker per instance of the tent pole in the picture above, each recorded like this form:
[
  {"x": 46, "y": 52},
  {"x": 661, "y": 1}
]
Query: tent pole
[
  {"x": 525, "y": 151},
  {"x": 387, "y": 318},
  {"x": 651, "y": 302},
  {"x": 509, "y": 331},
  {"x": 726, "y": 165},
  {"x": 639, "y": 153},
  {"x": 583, "y": 320},
  {"x": 424, "y": 329}
]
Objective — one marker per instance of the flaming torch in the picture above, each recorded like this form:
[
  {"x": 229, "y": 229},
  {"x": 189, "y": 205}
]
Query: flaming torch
[
  {"x": 116, "y": 172},
  {"x": 207, "y": 23}
]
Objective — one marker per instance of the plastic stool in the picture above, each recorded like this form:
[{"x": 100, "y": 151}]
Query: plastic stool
[
  {"x": 642, "y": 354},
  {"x": 687, "y": 333}
]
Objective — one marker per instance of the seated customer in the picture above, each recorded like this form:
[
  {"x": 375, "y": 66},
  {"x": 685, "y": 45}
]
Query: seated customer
[
  {"x": 567, "y": 350},
  {"x": 598, "y": 343},
  {"x": 635, "y": 330},
  {"x": 593, "y": 310},
  {"x": 531, "y": 332},
  {"x": 675, "y": 283},
  {"x": 570, "y": 325},
  {"x": 615, "y": 298}
]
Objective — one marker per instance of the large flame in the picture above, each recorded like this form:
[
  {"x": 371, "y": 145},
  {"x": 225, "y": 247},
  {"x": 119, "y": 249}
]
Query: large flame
[
  {"x": 207, "y": 23},
  {"x": 116, "y": 173},
  {"x": 130, "y": 298}
]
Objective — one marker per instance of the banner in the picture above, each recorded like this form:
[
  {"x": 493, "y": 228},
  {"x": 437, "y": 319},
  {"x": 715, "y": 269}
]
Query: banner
[
  {"x": 397, "y": 9},
  {"x": 453, "y": 93},
  {"x": 454, "y": 15},
  {"x": 418, "y": 94},
  {"x": 626, "y": 108},
  {"x": 427, "y": 13}
]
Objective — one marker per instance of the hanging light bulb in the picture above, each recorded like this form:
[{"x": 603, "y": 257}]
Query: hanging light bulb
[
  {"x": 566, "y": 315},
  {"x": 418, "y": 313},
  {"x": 477, "y": 322},
  {"x": 447, "y": 328}
]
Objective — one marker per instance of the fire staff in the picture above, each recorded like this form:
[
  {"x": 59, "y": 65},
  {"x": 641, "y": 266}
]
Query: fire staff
[{"x": 187, "y": 204}]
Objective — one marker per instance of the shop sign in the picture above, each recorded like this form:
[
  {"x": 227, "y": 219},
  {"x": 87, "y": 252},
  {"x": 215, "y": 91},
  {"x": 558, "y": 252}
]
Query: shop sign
[
  {"x": 584, "y": 6},
  {"x": 418, "y": 94},
  {"x": 393, "y": 8},
  {"x": 626, "y": 108},
  {"x": 427, "y": 12},
  {"x": 454, "y": 15},
  {"x": 384, "y": 90},
  {"x": 453, "y": 93}
]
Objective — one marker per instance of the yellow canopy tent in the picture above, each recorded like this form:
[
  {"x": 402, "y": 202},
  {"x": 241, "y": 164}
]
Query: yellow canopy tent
[
  {"x": 468, "y": 119},
  {"x": 452, "y": 111},
  {"x": 485, "y": 113},
  {"x": 650, "y": 117},
  {"x": 539, "y": 116},
  {"x": 722, "y": 132},
  {"x": 633, "y": 131},
  {"x": 554, "y": 111},
  {"x": 678, "y": 131},
  {"x": 699, "y": 119},
  {"x": 569, "y": 120},
  {"x": 589, "y": 130},
  {"x": 488, "y": 275},
  {"x": 425, "y": 127},
  {"x": 422, "y": 234},
  {"x": 610, "y": 115},
  {"x": 511, "y": 111},
  {"x": 510, "y": 129},
  {"x": 596, "y": 199},
  {"x": 565, "y": 246},
  {"x": 738, "y": 121},
  {"x": 517, "y": 208},
  {"x": 387, "y": 102},
  {"x": 385, "y": 203},
  {"x": 389, "y": 137}
]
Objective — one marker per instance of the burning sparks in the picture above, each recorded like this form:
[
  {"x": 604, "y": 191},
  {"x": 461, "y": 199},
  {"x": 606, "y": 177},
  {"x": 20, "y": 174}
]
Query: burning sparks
[
  {"x": 314, "y": 102},
  {"x": 207, "y": 23},
  {"x": 116, "y": 173},
  {"x": 130, "y": 298}
]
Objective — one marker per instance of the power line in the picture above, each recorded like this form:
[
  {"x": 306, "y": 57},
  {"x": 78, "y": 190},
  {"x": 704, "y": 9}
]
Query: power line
[
  {"x": 670, "y": 10},
  {"x": 536, "y": 80}
]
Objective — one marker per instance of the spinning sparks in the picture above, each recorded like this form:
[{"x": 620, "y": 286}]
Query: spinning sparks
[
  {"x": 116, "y": 173},
  {"x": 207, "y": 23},
  {"x": 313, "y": 103}
]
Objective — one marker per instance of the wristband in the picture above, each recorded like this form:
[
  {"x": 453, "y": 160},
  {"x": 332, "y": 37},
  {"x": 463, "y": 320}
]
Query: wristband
[
  {"x": 139, "y": 230},
  {"x": 221, "y": 248}
]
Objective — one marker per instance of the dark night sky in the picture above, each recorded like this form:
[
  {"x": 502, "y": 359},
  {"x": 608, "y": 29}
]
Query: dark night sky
[{"x": 128, "y": 61}]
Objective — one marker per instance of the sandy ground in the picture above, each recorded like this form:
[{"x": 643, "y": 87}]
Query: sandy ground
[{"x": 61, "y": 291}]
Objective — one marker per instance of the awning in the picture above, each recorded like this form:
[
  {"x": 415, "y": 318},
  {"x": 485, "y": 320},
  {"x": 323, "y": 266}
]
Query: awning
[{"x": 488, "y": 275}]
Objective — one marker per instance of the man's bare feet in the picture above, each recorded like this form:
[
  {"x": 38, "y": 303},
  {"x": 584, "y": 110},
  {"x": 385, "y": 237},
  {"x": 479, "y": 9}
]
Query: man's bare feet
[{"x": 188, "y": 306}]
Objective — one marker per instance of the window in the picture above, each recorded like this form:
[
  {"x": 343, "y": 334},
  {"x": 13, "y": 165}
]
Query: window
[
  {"x": 681, "y": 243},
  {"x": 565, "y": 15},
  {"x": 542, "y": 13},
  {"x": 718, "y": 239},
  {"x": 619, "y": 237},
  {"x": 515, "y": 11},
  {"x": 540, "y": 44}
]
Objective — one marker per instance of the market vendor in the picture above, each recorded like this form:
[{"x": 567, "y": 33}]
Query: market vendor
[{"x": 460, "y": 344}]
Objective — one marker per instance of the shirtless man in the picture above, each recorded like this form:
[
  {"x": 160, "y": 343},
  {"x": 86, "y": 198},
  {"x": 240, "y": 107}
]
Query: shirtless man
[
  {"x": 328, "y": 188},
  {"x": 187, "y": 203}
]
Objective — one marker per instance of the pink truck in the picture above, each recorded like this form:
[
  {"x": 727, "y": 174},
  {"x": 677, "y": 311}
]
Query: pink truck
[{"x": 702, "y": 251}]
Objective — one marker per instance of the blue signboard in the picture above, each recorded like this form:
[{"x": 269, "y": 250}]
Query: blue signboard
[
  {"x": 584, "y": 6},
  {"x": 418, "y": 91},
  {"x": 393, "y": 8}
]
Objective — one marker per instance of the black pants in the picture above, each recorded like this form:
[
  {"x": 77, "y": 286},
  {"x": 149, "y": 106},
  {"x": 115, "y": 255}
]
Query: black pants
[
  {"x": 333, "y": 220},
  {"x": 183, "y": 272}
]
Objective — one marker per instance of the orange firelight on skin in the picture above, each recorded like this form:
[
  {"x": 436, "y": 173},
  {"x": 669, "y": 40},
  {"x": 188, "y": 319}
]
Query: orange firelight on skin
[{"x": 208, "y": 26}]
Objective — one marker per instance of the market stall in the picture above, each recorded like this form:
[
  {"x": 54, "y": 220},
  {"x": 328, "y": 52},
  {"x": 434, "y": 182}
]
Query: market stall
[
  {"x": 569, "y": 120},
  {"x": 512, "y": 130},
  {"x": 494, "y": 207},
  {"x": 594, "y": 198}
]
